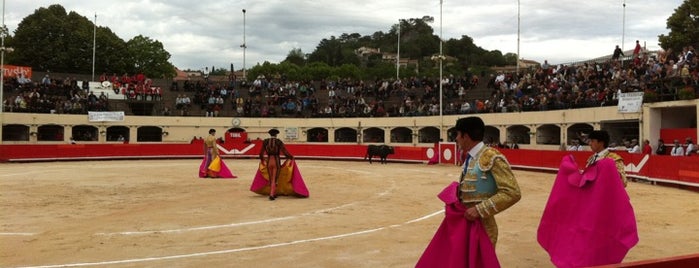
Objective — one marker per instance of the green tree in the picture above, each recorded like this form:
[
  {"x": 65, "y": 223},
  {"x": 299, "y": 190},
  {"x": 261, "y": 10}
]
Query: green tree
[
  {"x": 296, "y": 56},
  {"x": 219, "y": 71},
  {"x": 43, "y": 40},
  {"x": 348, "y": 71},
  {"x": 683, "y": 26},
  {"x": 149, "y": 56},
  {"x": 51, "y": 39},
  {"x": 510, "y": 58}
]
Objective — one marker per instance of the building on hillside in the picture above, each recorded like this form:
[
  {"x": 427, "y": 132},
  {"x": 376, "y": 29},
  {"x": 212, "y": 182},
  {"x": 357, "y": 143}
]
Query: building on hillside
[{"x": 523, "y": 65}]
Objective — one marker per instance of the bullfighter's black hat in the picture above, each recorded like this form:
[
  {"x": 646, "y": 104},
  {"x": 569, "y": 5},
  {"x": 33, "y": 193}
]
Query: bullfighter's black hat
[
  {"x": 599, "y": 135},
  {"x": 471, "y": 122}
]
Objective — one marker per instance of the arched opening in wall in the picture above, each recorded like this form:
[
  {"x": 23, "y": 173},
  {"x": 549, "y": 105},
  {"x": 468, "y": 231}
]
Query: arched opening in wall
[
  {"x": 15, "y": 133},
  {"x": 451, "y": 134},
  {"x": 50, "y": 133},
  {"x": 345, "y": 134},
  {"x": 84, "y": 133},
  {"x": 401, "y": 135},
  {"x": 373, "y": 135},
  {"x": 149, "y": 134},
  {"x": 491, "y": 135},
  {"x": 428, "y": 135},
  {"x": 317, "y": 134},
  {"x": 548, "y": 135},
  {"x": 577, "y": 131},
  {"x": 117, "y": 133},
  {"x": 621, "y": 132},
  {"x": 518, "y": 134}
]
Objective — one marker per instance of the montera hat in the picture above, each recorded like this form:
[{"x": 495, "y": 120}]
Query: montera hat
[
  {"x": 472, "y": 122},
  {"x": 273, "y": 132},
  {"x": 599, "y": 135}
]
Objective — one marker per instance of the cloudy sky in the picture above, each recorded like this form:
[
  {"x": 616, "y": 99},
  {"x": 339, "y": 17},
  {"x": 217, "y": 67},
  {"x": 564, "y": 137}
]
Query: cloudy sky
[{"x": 209, "y": 33}]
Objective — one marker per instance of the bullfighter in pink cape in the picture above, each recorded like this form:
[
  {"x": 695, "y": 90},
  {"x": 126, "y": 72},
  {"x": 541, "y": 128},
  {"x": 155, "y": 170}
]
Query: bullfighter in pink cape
[
  {"x": 588, "y": 219},
  {"x": 487, "y": 186},
  {"x": 458, "y": 242},
  {"x": 272, "y": 177},
  {"x": 289, "y": 182},
  {"x": 212, "y": 166}
]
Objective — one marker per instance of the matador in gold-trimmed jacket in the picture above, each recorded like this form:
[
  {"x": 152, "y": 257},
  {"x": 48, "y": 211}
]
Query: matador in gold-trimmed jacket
[
  {"x": 618, "y": 162},
  {"x": 488, "y": 184}
]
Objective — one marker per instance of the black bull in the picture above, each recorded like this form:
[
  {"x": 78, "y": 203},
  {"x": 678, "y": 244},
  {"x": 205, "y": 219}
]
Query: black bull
[{"x": 382, "y": 151}]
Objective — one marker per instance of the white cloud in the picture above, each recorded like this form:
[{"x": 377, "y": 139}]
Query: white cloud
[{"x": 205, "y": 32}]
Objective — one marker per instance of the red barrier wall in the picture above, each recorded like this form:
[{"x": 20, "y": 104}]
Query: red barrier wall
[{"x": 679, "y": 170}]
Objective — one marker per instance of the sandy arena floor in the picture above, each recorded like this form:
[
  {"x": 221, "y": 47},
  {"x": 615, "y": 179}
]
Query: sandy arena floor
[{"x": 157, "y": 213}]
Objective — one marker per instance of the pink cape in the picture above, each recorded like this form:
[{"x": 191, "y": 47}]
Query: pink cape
[
  {"x": 434, "y": 159},
  {"x": 290, "y": 181},
  {"x": 588, "y": 219},
  {"x": 458, "y": 242},
  {"x": 224, "y": 173}
]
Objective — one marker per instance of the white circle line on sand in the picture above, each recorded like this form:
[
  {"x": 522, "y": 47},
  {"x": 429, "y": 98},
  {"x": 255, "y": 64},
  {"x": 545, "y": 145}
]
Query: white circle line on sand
[
  {"x": 200, "y": 254},
  {"x": 18, "y": 234},
  {"x": 211, "y": 227},
  {"x": 230, "y": 225}
]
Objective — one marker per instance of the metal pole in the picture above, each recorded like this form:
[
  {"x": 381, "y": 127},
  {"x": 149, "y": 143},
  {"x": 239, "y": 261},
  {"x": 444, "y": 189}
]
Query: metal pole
[
  {"x": 623, "y": 25},
  {"x": 2, "y": 70},
  {"x": 398, "y": 55},
  {"x": 94, "y": 47},
  {"x": 518, "y": 57},
  {"x": 244, "y": 46},
  {"x": 441, "y": 58}
]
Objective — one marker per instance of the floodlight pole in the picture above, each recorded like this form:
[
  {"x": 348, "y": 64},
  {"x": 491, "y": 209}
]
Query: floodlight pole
[
  {"x": 623, "y": 26},
  {"x": 94, "y": 47},
  {"x": 441, "y": 59},
  {"x": 3, "y": 32},
  {"x": 244, "y": 46}
]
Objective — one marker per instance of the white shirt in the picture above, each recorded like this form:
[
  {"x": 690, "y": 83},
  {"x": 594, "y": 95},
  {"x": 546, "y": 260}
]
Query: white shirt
[
  {"x": 473, "y": 153},
  {"x": 690, "y": 148},
  {"x": 635, "y": 149},
  {"x": 677, "y": 151}
]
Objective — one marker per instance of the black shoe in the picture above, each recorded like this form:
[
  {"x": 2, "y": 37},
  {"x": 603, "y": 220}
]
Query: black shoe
[{"x": 271, "y": 198}]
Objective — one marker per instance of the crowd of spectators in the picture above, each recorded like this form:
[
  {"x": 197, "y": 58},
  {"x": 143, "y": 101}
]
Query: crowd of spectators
[
  {"x": 133, "y": 87},
  {"x": 588, "y": 84},
  {"x": 62, "y": 96}
]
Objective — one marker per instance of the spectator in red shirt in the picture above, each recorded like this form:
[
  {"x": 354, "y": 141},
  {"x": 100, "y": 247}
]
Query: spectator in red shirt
[{"x": 646, "y": 147}]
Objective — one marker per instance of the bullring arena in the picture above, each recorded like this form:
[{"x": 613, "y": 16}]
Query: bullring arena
[
  {"x": 157, "y": 213},
  {"x": 139, "y": 202}
]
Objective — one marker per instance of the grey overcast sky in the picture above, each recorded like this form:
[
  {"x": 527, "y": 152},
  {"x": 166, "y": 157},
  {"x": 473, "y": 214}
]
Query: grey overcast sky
[{"x": 209, "y": 33}]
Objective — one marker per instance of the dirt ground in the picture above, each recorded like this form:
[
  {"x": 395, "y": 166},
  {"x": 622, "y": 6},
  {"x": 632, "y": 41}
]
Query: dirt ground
[{"x": 157, "y": 213}]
